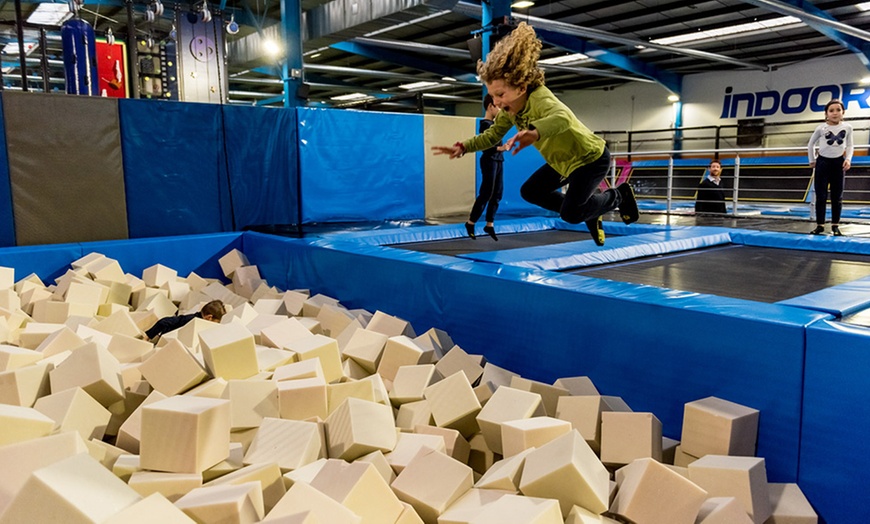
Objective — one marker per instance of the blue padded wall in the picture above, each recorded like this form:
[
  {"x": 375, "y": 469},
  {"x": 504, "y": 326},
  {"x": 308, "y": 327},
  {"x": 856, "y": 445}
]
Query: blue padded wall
[
  {"x": 7, "y": 221},
  {"x": 360, "y": 166},
  {"x": 262, "y": 154},
  {"x": 835, "y": 465},
  {"x": 174, "y": 168}
]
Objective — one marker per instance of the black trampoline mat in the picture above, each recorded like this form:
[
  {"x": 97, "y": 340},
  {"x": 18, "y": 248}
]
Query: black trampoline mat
[
  {"x": 755, "y": 273},
  {"x": 483, "y": 243}
]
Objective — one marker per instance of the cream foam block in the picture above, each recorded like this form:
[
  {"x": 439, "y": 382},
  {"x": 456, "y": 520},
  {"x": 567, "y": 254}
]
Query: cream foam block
[
  {"x": 231, "y": 261},
  {"x": 744, "y": 478},
  {"x": 171, "y": 485},
  {"x": 401, "y": 351},
  {"x": 267, "y": 474},
  {"x": 412, "y": 414},
  {"x": 723, "y": 510},
  {"x": 390, "y": 325},
  {"x": 302, "y": 399},
  {"x": 454, "y": 404},
  {"x": 154, "y": 508},
  {"x": 366, "y": 348},
  {"x": 284, "y": 333},
  {"x": 568, "y": 470},
  {"x": 549, "y": 394},
  {"x": 333, "y": 319},
  {"x": 410, "y": 382},
  {"x": 172, "y": 369},
  {"x": 358, "y": 427},
  {"x": 251, "y": 401},
  {"x": 158, "y": 274},
  {"x": 297, "y": 370},
  {"x": 789, "y": 505},
  {"x": 301, "y": 498},
  {"x": 514, "y": 508},
  {"x": 361, "y": 389},
  {"x": 18, "y": 423},
  {"x": 75, "y": 410},
  {"x": 580, "y": 515},
  {"x": 290, "y": 444},
  {"x": 360, "y": 488},
  {"x": 506, "y": 404},
  {"x": 323, "y": 348},
  {"x": 229, "y": 351},
  {"x": 184, "y": 434},
  {"x": 431, "y": 483},
  {"x": 713, "y": 426},
  {"x": 56, "y": 493},
  {"x": 651, "y": 492},
  {"x": 456, "y": 359},
  {"x": 92, "y": 368},
  {"x": 24, "y": 385},
  {"x": 629, "y": 436},
  {"x": 520, "y": 435},
  {"x": 13, "y": 357},
  {"x": 457, "y": 446},
  {"x": 409, "y": 446},
  {"x": 240, "y": 504},
  {"x": 130, "y": 432},
  {"x": 19, "y": 460},
  {"x": 504, "y": 474}
]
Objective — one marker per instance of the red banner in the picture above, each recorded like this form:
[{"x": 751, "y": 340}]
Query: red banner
[{"x": 112, "y": 69}]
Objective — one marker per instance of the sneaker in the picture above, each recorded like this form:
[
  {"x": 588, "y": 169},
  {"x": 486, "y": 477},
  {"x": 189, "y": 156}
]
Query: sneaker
[
  {"x": 628, "y": 204},
  {"x": 469, "y": 228},
  {"x": 835, "y": 230},
  {"x": 490, "y": 231},
  {"x": 819, "y": 230},
  {"x": 596, "y": 230}
]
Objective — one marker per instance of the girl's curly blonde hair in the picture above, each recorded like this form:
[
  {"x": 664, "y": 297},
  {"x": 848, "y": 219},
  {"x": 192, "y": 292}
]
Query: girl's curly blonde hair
[{"x": 514, "y": 60}]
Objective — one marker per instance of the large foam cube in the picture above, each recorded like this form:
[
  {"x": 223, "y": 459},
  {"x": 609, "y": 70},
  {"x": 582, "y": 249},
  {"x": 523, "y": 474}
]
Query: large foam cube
[
  {"x": 185, "y": 434},
  {"x": 302, "y": 498},
  {"x": 410, "y": 382},
  {"x": 153, "y": 508},
  {"x": 302, "y": 399},
  {"x": 229, "y": 351},
  {"x": 172, "y": 369},
  {"x": 401, "y": 351},
  {"x": 652, "y": 493},
  {"x": 92, "y": 368},
  {"x": 75, "y": 410},
  {"x": 584, "y": 414},
  {"x": 19, "y": 423},
  {"x": 409, "y": 446},
  {"x": 723, "y": 510},
  {"x": 365, "y": 348},
  {"x": 629, "y": 436},
  {"x": 789, "y": 505},
  {"x": 22, "y": 386},
  {"x": 267, "y": 474},
  {"x": 171, "y": 485},
  {"x": 456, "y": 359},
  {"x": 504, "y": 474},
  {"x": 360, "y": 488},
  {"x": 520, "y": 435},
  {"x": 454, "y": 404},
  {"x": 567, "y": 469},
  {"x": 358, "y": 427},
  {"x": 323, "y": 348},
  {"x": 713, "y": 426},
  {"x": 241, "y": 504},
  {"x": 251, "y": 401},
  {"x": 506, "y": 404},
  {"x": 57, "y": 494},
  {"x": 744, "y": 478},
  {"x": 289, "y": 443},
  {"x": 431, "y": 483}
]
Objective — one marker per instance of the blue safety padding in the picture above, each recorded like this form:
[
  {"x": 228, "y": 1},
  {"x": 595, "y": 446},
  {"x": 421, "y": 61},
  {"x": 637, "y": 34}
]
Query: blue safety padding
[
  {"x": 199, "y": 253},
  {"x": 7, "y": 220},
  {"x": 840, "y": 301},
  {"x": 262, "y": 155},
  {"x": 360, "y": 166},
  {"x": 852, "y": 245},
  {"x": 834, "y": 462},
  {"x": 46, "y": 261},
  {"x": 409, "y": 235},
  {"x": 174, "y": 168},
  {"x": 585, "y": 253}
]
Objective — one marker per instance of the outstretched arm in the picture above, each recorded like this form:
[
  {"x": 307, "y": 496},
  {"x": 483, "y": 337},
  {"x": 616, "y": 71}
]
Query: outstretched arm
[
  {"x": 455, "y": 151},
  {"x": 524, "y": 138}
]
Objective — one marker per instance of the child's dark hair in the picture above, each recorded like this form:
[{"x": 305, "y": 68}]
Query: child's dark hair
[
  {"x": 215, "y": 308},
  {"x": 715, "y": 161},
  {"x": 835, "y": 101},
  {"x": 487, "y": 101}
]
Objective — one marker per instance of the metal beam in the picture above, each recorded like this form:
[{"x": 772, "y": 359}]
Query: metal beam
[
  {"x": 474, "y": 11},
  {"x": 852, "y": 38},
  {"x": 404, "y": 60}
]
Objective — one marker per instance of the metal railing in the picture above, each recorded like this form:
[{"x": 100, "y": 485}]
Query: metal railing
[{"x": 790, "y": 184}]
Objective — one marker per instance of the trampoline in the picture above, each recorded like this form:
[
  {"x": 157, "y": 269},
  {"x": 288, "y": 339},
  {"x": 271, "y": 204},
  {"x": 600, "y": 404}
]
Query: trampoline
[
  {"x": 755, "y": 273},
  {"x": 483, "y": 244}
]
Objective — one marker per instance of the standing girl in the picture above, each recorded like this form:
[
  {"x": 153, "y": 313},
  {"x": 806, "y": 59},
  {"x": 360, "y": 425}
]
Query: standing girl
[
  {"x": 491, "y": 178},
  {"x": 574, "y": 155},
  {"x": 834, "y": 139}
]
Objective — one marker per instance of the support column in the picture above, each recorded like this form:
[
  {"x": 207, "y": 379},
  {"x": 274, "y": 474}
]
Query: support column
[{"x": 291, "y": 70}]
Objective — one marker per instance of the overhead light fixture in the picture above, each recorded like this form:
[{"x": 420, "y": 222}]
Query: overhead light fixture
[
  {"x": 865, "y": 81},
  {"x": 271, "y": 47},
  {"x": 727, "y": 31},
  {"x": 674, "y": 98},
  {"x": 522, "y": 4},
  {"x": 418, "y": 85},
  {"x": 864, "y": 6},
  {"x": 448, "y": 79},
  {"x": 50, "y": 14},
  {"x": 351, "y": 96},
  {"x": 315, "y": 55},
  {"x": 564, "y": 59}
]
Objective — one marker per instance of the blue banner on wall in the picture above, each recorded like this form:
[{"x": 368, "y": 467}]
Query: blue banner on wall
[
  {"x": 175, "y": 168},
  {"x": 262, "y": 155},
  {"x": 7, "y": 222},
  {"x": 360, "y": 166}
]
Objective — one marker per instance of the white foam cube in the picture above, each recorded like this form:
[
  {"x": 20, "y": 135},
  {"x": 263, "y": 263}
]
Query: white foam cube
[
  {"x": 504, "y": 474},
  {"x": 289, "y": 443},
  {"x": 723, "y": 510},
  {"x": 24, "y": 385},
  {"x": 567, "y": 469},
  {"x": 652, "y": 492},
  {"x": 240, "y": 504},
  {"x": 268, "y": 475},
  {"x": 412, "y": 414},
  {"x": 358, "y": 427},
  {"x": 528, "y": 510},
  {"x": 454, "y": 404},
  {"x": 75, "y": 410},
  {"x": 184, "y": 434},
  {"x": 333, "y": 319},
  {"x": 171, "y": 485},
  {"x": 360, "y": 488},
  {"x": 520, "y": 435},
  {"x": 629, "y": 436},
  {"x": 283, "y": 333},
  {"x": 311, "y": 306},
  {"x": 251, "y": 401},
  {"x": 391, "y": 326},
  {"x": 311, "y": 368},
  {"x": 293, "y": 302},
  {"x": 549, "y": 394},
  {"x": 93, "y": 369},
  {"x": 577, "y": 386},
  {"x": 323, "y": 348},
  {"x": 789, "y": 505},
  {"x": 229, "y": 351},
  {"x": 301, "y": 497},
  {"x": 365, "y": 348},
  {"x": 410, "y": 382},
  {"x": 713, "y": 426},
  {"x": 457, "y": 446},
  {"x": 302, "y": 399},
  {"x": 34, "y": 333},
  {"x": 172, "y": 369},
  {"x": 153, "y": 508},
  {"x": 409, "y": 446},
  {"x": 361, "y": 389},
  {"x": 129, "y": 349},
  {"x": 744, "y": 478},
  {"x": 506, "y": 404},
  {"x": 431, "y": 483},
  {"x": 456, "y": 359},
  {"x": 119, "y": 323},
  {"x": 130, "y": 431},
  {"x": 231, "y": 261},
  {"x": 158, "y": 274},
  {"x": 13, "y": 357}
]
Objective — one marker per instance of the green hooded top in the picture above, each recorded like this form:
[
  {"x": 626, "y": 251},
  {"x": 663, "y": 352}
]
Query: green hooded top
[{"x": 565, "y": 143}]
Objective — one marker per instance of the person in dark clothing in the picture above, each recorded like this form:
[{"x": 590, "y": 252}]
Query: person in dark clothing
[
  {"x": 491, "y": 174},
  {"x": 213, "y": 311},
  {"x": 711, "y": 196}
]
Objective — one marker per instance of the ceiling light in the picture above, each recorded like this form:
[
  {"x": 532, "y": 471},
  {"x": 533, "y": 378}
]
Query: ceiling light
[
  {"x": 418, "y": 85},
  {"x": 50, "y": 14},
  {"x": 673, "y": 98},
  {"x": 315, "y": 55},
  {"x": 564, "y": 59},
  {"x": 727, "y": 31},
  {"x": 522, "y": 4},
  {"x": 864, "y": 6},
  {"x": 271, "y": 47},
  {"x": 351, "y": 96},
  {"x": 865, "y": 81},
  {"x": 448, "y": 79}
]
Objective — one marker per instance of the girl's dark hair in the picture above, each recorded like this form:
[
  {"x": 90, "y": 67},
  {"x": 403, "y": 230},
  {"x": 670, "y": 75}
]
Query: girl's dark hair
[{"x": 835, "y": 101}]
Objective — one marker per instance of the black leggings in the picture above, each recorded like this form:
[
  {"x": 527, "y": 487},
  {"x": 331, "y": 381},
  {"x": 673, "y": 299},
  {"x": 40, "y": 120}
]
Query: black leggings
[
  {"x": 829, "y": 171},
  {"x": 491, "y": 189},
  {"x": 580, "y": 202}
]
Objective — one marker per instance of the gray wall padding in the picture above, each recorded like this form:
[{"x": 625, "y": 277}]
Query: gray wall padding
[{"x": 65, "y": 168}]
